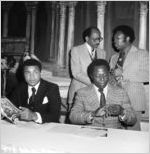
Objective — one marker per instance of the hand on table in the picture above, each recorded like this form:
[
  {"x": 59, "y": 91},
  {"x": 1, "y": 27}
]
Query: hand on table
[
  {"x": 26, "y": 114},
  {"x": 109, "y": 110}
]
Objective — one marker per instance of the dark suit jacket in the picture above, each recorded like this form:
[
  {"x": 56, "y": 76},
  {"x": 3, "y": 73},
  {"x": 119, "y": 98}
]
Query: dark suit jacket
[{"x": 49, "y": 111}]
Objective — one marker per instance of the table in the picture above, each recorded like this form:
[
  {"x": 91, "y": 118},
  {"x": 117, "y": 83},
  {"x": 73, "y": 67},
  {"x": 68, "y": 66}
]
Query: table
[{"x": 63, "y": 138}]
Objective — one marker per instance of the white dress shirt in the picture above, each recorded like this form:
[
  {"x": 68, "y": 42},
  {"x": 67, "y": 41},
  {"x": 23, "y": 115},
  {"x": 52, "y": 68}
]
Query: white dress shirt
[
  {"x": 39, "y": 119},
  {"x": 99, "y": 94},
  {"x": 92, "y": 53}
]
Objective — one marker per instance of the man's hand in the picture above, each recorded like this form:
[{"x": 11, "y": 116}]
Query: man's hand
[
  {"x": 26, "y": 114},
  {"x": 118, "y": 72},
  {"x": 100, "y": 112},
  {"x": 108, "y": 110}
]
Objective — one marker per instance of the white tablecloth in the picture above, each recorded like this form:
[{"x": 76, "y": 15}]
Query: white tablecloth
[{"x": 63, "y": 138}]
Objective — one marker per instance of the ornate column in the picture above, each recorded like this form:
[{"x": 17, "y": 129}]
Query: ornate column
[
  {"x": 70, "y": 37},
  {"x": 28, "y": 26},
  {"x": 56, "y": 36},
  {"x": 6, "y": 8},
  {"x": 143, "y": 24},
  {"x": 52, "y": 54},
  {"x": 33, "y": 17},
  {"x": 61, "y": 34},
  {"x": 100, "y": 19}
]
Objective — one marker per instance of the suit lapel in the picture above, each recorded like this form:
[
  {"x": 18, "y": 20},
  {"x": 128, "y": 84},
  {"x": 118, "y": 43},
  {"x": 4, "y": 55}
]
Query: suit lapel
[
  {"x": 92, "y": 97},
  {"x": 86, "y": 53},
  {"x": 24, "y": 95},
  {"x": 40, "y": 92},
  {"x": 129, "y": 57}
]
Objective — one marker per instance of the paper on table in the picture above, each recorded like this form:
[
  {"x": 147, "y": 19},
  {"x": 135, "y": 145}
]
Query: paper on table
[
  {"x": 86, "y": 131},
  {"x": 9, "y": 110}
]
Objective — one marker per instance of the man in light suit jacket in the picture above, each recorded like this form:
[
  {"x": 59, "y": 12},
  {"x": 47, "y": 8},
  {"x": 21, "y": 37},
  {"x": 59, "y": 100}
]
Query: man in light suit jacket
[
  {"x": 81, "y": 57},
  {"x": 134, "y": 72},
  {"x": 116, "y": 112},
  {"x": 38, "y": 100}
]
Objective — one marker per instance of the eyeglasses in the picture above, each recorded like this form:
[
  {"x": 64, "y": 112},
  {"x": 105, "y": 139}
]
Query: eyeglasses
[{"x": 97, "y": 39}]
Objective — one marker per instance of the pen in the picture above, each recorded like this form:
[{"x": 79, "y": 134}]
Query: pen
[{"x": 96, "y": 128}]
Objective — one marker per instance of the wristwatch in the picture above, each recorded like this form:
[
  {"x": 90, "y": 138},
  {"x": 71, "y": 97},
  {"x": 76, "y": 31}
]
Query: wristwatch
[
  {"x": 90, "y": 118},
  {"x": 122, "y": 117}
]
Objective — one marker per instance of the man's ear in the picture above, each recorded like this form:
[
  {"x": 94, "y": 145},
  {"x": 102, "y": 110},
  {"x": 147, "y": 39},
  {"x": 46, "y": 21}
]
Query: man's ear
[
  {"x": 86, "y": 38},
  {"x": 128, "y": 39}
]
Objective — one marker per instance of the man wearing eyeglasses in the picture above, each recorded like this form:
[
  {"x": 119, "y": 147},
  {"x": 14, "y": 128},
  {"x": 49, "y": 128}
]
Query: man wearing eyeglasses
[{"x": 80, "y": 58}]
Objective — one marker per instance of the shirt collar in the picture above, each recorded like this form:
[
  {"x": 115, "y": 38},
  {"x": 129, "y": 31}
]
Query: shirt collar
[
  {"x": 89, "y": 47},
  {"x": 105, "y": 89},
  {"x": 36, "y": 86}
]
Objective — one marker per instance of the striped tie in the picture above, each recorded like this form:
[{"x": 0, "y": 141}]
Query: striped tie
[
  {"x": 102, "y": 98},
  {"x": 32, "y": 98}
]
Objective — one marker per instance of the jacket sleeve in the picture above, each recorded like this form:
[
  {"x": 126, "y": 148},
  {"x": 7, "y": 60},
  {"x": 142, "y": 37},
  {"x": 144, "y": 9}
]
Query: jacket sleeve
[
  {"x": 78, "y": 115},
  {"x": 76, "y": 68},
  {"x": 51, "y": 112},
  {"x": 129, "y": 112}
]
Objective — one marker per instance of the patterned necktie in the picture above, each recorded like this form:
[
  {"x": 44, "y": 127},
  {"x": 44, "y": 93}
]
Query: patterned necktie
[
  {"x": 120, "y": 59},
  {"x": 32, "y": 98},
  {"x": 93, "y": 54},
  {"x": 102, "y": 98}
]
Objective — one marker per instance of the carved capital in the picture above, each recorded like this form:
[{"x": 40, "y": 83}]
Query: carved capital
[
  {"x": 143, "y": 7},
  {"x": 101, "y": 7},
  {"x": 62, "y": 4},
  {"x": 72, "y": 4},
  {"x": 6, "y": 5},
  {"x": 30, "y": 5}
]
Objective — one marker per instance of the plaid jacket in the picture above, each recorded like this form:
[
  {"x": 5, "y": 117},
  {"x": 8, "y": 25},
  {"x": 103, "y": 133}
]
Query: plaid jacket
[
  {"x": 135, "y": 72},
  {"x": 86, "y": 101}
]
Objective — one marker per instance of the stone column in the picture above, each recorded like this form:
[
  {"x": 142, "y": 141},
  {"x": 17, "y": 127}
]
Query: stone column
[
  {"x": 6, "y": 7},
  {"x": 56, "y": 36},
  {"x": 100, "y": 19},
  {"x": 70, "y": 38},
  {"x": 143, "y": 25},
  {"x": 28, "y": 26},
  {"x": 52, "y": 54},
  {"x": 33, "y": 17},
  {"x": 61, "y": 34}
]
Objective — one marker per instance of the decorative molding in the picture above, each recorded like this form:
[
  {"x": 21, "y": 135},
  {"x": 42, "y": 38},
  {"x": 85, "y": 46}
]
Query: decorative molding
[
  {"x": 72, "y": 3},
  {"x": 143, "y": 8},
  {"x": 101, "y": 7}
]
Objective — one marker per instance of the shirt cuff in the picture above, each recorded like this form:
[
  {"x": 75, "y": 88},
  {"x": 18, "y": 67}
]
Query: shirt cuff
[{"x": 39, "y": 118}]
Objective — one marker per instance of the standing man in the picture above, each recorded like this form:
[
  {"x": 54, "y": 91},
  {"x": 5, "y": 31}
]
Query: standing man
[
  {"x": 130, "y": 67},
  {"x": 81, "y": 57},
  {"x": 102, "y": 104},
  {"x": 38, "y": 100}
]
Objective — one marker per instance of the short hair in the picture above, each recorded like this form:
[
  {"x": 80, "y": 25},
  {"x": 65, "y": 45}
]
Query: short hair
[
  {"x": 97, "y": 62},
  {"x": 88, "y": 31},
  {"x": 126, "y": 30},
  {"x": 32, "y": 62}
]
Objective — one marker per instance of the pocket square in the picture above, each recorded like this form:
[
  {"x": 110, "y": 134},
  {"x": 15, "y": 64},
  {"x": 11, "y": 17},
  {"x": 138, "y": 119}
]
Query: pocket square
[{"x": 45, "y": 100}]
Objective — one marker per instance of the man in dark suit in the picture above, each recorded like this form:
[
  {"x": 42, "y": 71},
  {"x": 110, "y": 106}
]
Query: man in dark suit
[
  {"x": 38, "y": 100},
  {"x": 102, "y": 104}
]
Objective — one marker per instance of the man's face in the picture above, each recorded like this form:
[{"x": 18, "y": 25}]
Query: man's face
[
  {"x": 32, "y": 75},
  {"x": 100, "y": 76},
  {"x": 120, "y": 40},
  {"x": 94, "y": 39}
]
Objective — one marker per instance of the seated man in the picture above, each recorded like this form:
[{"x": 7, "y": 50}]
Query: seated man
[
  {"x": 92, "y": 108},
  {"x": 38, "y": 100}
]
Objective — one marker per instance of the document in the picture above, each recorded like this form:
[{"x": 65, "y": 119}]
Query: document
[
  {"x": 86, "y": 131},
  {"x": 9, "y": 110}
]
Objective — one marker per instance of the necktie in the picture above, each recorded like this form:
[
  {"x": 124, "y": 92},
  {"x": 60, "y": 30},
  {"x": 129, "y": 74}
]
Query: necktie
[
  {"x": 102, "y": 98},
  {"x": 120, "y": 59},
  {"x": 93, "y": 54},
  {"x": 32, "y": 98}
]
